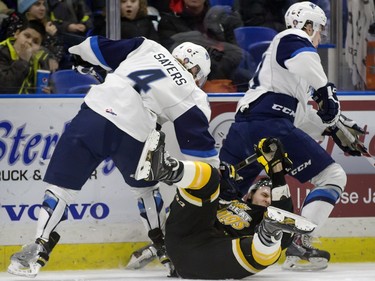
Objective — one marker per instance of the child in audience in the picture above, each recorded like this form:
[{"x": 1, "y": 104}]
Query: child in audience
[{"x": 19, "y": 59}]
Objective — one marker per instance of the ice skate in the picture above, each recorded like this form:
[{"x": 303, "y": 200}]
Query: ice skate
[
  {"x": 155, "y": 164},
  {"x": 157, "y": 237},
  {"x": 142, "y": 257},
  {"x": 277, "y": 221},
  {"x": 302, "y": 256},
  {"x": 288, "y": 222},
  {"x": 165, "y": 261},
  {"x": 32, "y": 257}
]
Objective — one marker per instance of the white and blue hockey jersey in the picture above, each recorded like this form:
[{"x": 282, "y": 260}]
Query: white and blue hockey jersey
[
  {"x": 291, "y": 66},
  {"x": 147, "y": 85}
]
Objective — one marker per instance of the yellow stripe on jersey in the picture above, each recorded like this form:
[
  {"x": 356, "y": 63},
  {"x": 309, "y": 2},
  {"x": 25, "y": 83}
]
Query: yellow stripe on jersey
[
  {"x": 215, "y": 194},
  {"x": 194, "y": 200},
  {"x": 237, "y": 251},
  {"x": 190, "y": 198},
  {"x": 202, "y": 175},
  {"x": 263, "y": 258}
]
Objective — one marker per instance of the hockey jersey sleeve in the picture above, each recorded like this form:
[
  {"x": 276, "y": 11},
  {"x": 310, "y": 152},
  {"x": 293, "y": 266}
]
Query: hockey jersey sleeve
[
  {"x": 193, "y": 137},
  {"x": 298, "y": 55},
  {"x": 105, "y": 52}
]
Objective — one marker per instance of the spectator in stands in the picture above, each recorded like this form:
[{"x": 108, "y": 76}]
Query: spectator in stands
[
  {"x": 19, "y": 59},
  {"x": 135, "y": 20},
  {"x": 215, "y": 33},
  {"x": 98, "y": 9},
  {"x": 268, "y": 13},
  {"x": 36, "y": 10},
  {"x": 72, "y": 18},
  {"x": 185, "y": 15}
]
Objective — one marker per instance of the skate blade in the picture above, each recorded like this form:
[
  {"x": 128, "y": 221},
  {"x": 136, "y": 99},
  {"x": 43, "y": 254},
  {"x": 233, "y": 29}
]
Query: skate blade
[
  {"x": 141, "y": 257},
  {"x": 144, "y": 166},
  {"x": 281, "y": 216},
  {"x": 18, "y": 269},
  {"x": 300, "y": 222},
  {"x": 294, "y": 263},
  {"x": 138, "y": 263}
]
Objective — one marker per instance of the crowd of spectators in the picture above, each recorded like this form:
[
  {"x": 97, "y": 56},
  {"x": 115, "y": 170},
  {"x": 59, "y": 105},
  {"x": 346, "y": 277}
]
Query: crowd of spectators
[{"x": 168, "y": 22}]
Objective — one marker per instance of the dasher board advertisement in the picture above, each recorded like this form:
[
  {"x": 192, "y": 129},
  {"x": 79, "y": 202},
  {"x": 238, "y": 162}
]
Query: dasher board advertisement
[{"x": 106, "y": 210}]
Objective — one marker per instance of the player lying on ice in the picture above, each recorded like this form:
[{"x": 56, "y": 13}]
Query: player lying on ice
[{"x": 240, "y": 239}]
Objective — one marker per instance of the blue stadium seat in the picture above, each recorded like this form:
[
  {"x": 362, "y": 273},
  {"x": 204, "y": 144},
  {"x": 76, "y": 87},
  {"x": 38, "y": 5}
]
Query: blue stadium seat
[
  {"x": 221, "y": 2},
  {"x": 247, "y": 35},
  {"x": 69, "y": 81},
  {"x": 257, "y": 49}
]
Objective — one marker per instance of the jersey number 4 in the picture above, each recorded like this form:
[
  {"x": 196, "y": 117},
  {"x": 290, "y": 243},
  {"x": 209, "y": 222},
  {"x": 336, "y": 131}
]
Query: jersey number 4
[{"x": 142, "y": 78}]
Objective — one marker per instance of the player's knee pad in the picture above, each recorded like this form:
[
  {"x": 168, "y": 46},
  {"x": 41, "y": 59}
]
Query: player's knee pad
[
  {"x": 319, "y": 204},
  {"x": 54, "y": 209},
  {"x": 334, "y": 176},
  {"x": 329, "y": 194},
  {"x": 151, "y": 206},
  {"x": 66, "y": 194}
]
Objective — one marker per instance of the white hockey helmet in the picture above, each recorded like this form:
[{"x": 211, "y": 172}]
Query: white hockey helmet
[
  {"x": 195, "y": 59},
  {"x": 301, "y": 13}
]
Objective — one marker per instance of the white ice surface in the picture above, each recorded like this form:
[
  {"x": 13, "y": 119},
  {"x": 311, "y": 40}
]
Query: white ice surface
[{"x": 338, "y": 271}]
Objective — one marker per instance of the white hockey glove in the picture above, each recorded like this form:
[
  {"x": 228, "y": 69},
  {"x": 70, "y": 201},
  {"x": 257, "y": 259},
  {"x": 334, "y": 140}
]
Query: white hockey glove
[
  {"x": 329, "y": 105},
  {"x": 270, "y": 152},
  {"x": 346, "y": 135}
]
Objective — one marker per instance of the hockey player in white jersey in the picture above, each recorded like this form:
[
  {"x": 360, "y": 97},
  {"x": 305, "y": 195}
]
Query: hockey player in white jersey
[
  {"x": 276, "y": 105},
  {"x": 146, "y": 87}
]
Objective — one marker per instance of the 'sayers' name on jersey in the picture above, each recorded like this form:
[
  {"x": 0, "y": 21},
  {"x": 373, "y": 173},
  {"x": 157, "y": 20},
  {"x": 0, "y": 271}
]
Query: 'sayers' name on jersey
[{"x": 171, "y": 69}]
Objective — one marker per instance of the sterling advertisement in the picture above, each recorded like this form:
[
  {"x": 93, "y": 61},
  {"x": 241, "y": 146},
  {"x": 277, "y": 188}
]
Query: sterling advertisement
[{"x": 106, "y": 209}]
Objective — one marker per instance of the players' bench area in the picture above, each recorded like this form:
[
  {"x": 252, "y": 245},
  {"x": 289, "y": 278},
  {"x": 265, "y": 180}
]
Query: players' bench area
[{"x": 103, "y": 225}]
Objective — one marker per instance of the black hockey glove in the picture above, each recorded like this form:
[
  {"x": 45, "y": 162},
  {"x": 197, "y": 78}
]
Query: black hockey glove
[
  {"x": 78, "y": 61},
  {"x": 85, "y": 68},
  {"x": 270, "y": 152},
  {"x": 229, "y": 178},
  {"x": 329, "y": 105},
  {"x": 348, "y": 144}
]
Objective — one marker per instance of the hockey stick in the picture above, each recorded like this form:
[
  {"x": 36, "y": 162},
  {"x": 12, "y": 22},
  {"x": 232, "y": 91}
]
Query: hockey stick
[
  {"x": 252, "y": 158},
  {"x": 246, "y": 162}
]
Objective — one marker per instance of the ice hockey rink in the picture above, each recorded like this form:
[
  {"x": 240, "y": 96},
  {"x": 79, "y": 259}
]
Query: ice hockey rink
[{"x": 337, "y": 271}]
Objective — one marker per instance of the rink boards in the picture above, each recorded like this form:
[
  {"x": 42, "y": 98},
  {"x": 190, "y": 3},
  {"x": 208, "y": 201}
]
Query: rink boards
[{"x": 104, "y": 227}]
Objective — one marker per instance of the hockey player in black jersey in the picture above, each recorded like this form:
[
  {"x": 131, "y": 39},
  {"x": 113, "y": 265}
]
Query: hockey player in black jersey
[
  {"x": 208, "y": 239},
  {"x": 233, "y": 217}
]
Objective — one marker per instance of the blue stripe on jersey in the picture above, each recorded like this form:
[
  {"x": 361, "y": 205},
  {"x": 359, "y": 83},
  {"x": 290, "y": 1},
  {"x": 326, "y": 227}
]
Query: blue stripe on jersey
[
  {"x": 200, "y": 153},
  {"x": 291, "y": 45},
  {"x": 328, "y": 195},
  {"x": 306, "y": 49},
  {"x": 94, "y": 43},
  {"x": 192, "y": 134},
  {"x": 113, "y": 52}
]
